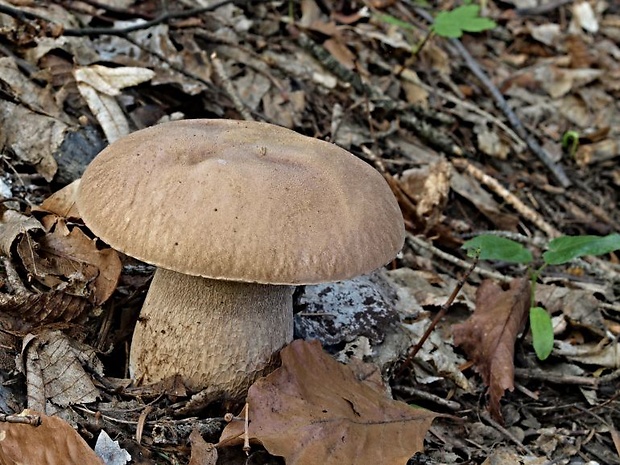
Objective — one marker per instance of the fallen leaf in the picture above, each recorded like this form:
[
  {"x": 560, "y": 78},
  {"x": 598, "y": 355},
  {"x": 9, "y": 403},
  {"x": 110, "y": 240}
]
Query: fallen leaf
[
  {"x": 616, "y": 439},
  {"x": 33, "y": 309},
  {"x": 32, "y": 138},
  {"x": 68, "y": 258},
  {"x": 59, "y": 257},
  {"x": 53, "y": 442},
  {"x": 428, "y": 188},
  {"x": 465, "y": 186},
  {"x": 98, "y": 85},
  {"x": 62, "y": 202},
  {"x": 488, "y": 336},
  {"x": 203, "y": 453},
  {"x": 584, "y": 17},
  {"x": 54, "y": 366},
  {"x": 599, "y": 354},
  {"x": 314, "y": 410}
]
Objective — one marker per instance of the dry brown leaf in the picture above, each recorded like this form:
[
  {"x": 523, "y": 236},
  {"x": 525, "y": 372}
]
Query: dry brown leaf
[
  {"x": 428, "y": 188},
  {"x": 25, "y": 310},
  {"x": 14, "y": 225},
  {"x": 54, "y": 369},
  {"x": 489, "y": 335},
  {"x": 314, "y": 410},
  {"x": 78, "y": 260},
  {"x": 203, "y": 453},
  {"x": 467, "y": 187},
  {"x": 53, "y": 442},
  {"x": 63, "y": 259},
  {"x": 62, "y": 202},
  {"x": 31, "y": 137}
]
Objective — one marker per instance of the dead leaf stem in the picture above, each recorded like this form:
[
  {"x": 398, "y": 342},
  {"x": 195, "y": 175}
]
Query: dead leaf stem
[
  {"x": 421, "y": 124},
  {"x": 427, "y": 396},
  {"x": 442, "y": 312},
  {"x": 506, "y": 433},
  {"x": 527, "y": 212},
  {"x": 513, "y": 119}
]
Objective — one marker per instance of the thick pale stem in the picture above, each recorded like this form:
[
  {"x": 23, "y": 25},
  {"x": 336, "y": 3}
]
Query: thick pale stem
[{"x": 220, "y": 335}]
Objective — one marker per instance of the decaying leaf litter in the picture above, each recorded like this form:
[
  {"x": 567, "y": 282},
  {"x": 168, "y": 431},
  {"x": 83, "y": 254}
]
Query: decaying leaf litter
[{"x": 78, "y": 75}]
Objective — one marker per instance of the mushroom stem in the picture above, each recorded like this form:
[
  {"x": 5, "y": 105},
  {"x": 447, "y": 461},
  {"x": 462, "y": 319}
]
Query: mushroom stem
[{"x": 215, "y": 334}]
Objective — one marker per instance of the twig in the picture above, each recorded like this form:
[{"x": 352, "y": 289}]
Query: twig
[
  {"x": 486, "y": 417},
  {"x": 520, "y": 143},
  {"x": 542, "y": 9},
  {"x": 34, "y": 420},
  {"x": 513, "y": 119},
  {"x": 229, "y": 88},
  {"x": 539, "y": 375},
  {"x": 442, "y": 312},
  {"x": 421, "y": 244},
  {"x": 597, "y": 211},
  {"x": 418, "y": 393},
  {"x": 527, "y": 212},
  {"x": 97, "y": 31},
  {"x": 142, "y": 421},
  {"x": 421, "y": 126},
  {"x": 22, "y": 15},
  {"x": 246, "y": 430}
]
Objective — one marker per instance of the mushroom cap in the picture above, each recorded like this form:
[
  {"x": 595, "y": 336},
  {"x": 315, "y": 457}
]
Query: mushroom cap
[{"x": 241, "y": 201}]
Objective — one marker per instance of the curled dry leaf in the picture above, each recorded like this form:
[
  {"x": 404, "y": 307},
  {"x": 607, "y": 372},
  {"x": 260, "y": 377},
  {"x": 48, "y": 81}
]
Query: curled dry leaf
[
  {"x": 314, "y": 410},
  {"x": 68, "y": 259},
  {"x": 488, "y": 336},
  {"x": 98, "y": 85},
  {"x": 53, "y": 442},
  {"x": 59, "y": 257}
]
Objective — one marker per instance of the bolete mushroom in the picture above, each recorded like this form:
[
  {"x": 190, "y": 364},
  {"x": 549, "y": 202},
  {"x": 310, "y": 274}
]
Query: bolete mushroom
[{"x": 234, "y": 214}]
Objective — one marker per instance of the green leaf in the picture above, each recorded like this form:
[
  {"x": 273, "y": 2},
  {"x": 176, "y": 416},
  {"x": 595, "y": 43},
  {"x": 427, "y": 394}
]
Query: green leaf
[
  {"x": 566, "y": 248},
  {"x": 542, "y": 332},
  {"x": 389, "y": 19},
  {"x": 465, "y": 18},
  {"x": 498, "y": 248}
]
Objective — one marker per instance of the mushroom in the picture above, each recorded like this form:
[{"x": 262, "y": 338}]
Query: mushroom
[{"x": 234, "y": 214}]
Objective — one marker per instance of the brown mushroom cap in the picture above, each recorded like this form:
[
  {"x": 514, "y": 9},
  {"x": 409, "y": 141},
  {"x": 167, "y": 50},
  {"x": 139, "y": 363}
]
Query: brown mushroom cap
[{"x": 241, "y": 201}]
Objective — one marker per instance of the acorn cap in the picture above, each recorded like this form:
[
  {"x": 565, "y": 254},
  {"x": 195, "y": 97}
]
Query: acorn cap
[{"x": 241, "y": 201}]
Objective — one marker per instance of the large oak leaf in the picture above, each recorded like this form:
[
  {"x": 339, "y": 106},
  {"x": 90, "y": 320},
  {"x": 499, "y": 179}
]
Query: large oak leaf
[
  {"x": 488, "y": 336},
  {"x": 53, "y": 442},
  {"x": 314, "y": 410}
]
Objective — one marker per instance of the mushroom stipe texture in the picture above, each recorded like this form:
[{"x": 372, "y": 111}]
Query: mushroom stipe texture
[{"x": 221, "y": 203}]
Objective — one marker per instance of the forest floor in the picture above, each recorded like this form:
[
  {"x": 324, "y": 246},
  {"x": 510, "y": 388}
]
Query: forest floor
[{"x": 513, "y": 130}]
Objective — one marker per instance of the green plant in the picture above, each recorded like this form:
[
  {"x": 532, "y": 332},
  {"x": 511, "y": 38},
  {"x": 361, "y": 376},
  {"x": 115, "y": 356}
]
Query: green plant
[
  {"x": 449, "y": 24},
  {"x": 570, "y": 142},
  {"x": 559, "y": 251},
  {"x": 465, "y": 18}
]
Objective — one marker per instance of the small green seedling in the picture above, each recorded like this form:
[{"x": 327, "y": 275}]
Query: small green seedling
[
  {"x": 570, "y": 142},
  {"x": 449, "y": 24},
  {"x": 559, "y": 251},
  {"x": 465, "y": 18}
]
